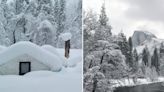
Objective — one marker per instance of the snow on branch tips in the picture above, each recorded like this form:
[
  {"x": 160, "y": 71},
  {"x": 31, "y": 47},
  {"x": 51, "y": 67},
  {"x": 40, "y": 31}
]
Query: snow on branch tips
[
  {"x": 45, "y": 24},
  {"x": 66, "y": 36}
]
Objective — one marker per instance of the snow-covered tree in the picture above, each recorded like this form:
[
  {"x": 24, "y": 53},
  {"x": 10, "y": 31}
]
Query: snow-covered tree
[
  {"x": 61, "y": 17},
  {"x": 45, "y": 33},
  {"x": 155, "y": 60},
  {"x": 130, "y": 43},
  {"x": 145, "y": 56},
  {"x": 103, "y": 31},
  {"x": 89, "y": 28},
  {"x": 135, "y": 65},
  {"x": 103, "y": 19},
  {"x": 125, "y": 48},
  {"x": 94, "y": 81},
  {"x": 21, "y": 18}
]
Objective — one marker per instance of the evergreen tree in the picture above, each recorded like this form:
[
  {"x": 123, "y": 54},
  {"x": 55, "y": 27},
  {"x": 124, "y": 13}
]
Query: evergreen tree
[
  {"x": 62, "y": 16},
  {"x": 103, "y": 19},
  {"x": 130, "y": 43},
  {"x": 135, "y": 60},
  {"x": 125, "y": 48},
  {"x": 155, "y": 60},
  {"x": 145, "y": 56},
  {"x": 104, "y": 30}
]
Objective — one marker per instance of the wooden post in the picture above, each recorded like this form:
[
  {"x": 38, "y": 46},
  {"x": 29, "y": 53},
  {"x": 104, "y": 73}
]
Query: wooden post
[{"x": 67, "y": 48}]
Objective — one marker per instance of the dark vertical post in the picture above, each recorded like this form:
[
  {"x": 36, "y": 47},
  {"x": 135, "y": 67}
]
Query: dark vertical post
[{"x": 67, "y": 48}]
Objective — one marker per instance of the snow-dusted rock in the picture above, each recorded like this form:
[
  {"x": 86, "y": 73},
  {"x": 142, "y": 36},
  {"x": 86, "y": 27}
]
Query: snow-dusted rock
[{"x": 139, "y": 37}]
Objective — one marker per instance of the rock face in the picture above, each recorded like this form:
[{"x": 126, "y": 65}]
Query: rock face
[{"x": 139, "y": 37}]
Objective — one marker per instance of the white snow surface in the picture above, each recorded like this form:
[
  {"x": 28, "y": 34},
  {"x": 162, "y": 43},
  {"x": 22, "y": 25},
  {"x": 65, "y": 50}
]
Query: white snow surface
[
  {"x": 24, "y": 47},
  {"x": 54, "y": 51},
  {"x": 66, "y": 36},
  {"x": 42, "y": 81},
  {"x": 50, "y": 49},
  {"x": 73, "y": 60},
  {"x": 129, "y": 82},
  {"x": 75, "y": 57},
  {"x": 69, "y": 79},
  {"x": 2, "y": 48}
]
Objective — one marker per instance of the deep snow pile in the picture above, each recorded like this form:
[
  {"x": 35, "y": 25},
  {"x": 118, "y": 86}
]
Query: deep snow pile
[
  {"x": 75, "y": 57},
  {"x": 43, "y": 81},
  {"x": 24, "y": 47},
  {"x": 69, "y": 79},
  {"x": 73, "y": 60}
]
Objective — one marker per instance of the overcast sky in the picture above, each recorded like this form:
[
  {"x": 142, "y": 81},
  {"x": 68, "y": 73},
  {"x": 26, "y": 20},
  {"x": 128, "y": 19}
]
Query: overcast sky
[{"x": 130, "y": 15}]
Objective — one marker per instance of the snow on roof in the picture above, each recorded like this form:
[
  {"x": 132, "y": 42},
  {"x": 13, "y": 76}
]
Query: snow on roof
[
  {"x": 66, "y": 36},
  {"x": 53, "y": 50},
  {"x": 50, "y": 49},
  {"x": 25, "y": 47}
]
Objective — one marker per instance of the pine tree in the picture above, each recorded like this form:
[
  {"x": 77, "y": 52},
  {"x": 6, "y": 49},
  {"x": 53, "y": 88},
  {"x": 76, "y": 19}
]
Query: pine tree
[
  {"x": 104, "y": 30},
  {"x": 145, "y": 56},
  {"x": 155, "y": 60},
  {"x": 125, "y": 48},
  {"x": 130, "y": 43},
  {"x": 103, "y": 19},
  {"x": 135, "y": 60}
]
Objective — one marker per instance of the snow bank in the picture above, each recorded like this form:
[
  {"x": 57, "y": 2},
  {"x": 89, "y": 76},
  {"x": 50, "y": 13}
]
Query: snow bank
[
  {"x": 130, "y": 82},
  {"x": 74, "y": 59},
  {"x": 66, "y": 36},
  {"x": 39, "y": 74},
  {"x": 2, "y": 48},
  {"x": 43, "y": 81},
  {"x": 50, "y": 49},
  {"x": 54, "y": 51},
  {"x": 24, "y": 47},
  {"x": 69, "y": 79},
  {"x": 72, "y": 62}
]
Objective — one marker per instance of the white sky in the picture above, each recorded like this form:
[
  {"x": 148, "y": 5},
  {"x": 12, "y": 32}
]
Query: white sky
[{"x": 130, "y": 15}]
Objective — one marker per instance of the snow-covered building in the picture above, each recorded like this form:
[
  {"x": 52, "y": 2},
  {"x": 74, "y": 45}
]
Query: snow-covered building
[{"x": 24, "y": 57}]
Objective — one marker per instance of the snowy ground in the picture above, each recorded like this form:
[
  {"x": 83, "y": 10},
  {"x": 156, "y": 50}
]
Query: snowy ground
[
  {"x": 129, "y": 82},
  {"x": 67, "y": 80}
]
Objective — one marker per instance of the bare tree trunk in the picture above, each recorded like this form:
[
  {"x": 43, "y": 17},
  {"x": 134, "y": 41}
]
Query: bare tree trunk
[{"x": 67, "y": 48}]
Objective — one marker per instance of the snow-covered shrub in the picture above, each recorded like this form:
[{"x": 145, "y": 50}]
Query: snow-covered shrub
[
  {"x": 151, "y": 73},
  {"x": 94, "y": 81}
]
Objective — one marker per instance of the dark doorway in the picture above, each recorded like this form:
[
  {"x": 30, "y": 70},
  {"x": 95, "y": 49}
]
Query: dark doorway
[{"x": 24, "y": 67}]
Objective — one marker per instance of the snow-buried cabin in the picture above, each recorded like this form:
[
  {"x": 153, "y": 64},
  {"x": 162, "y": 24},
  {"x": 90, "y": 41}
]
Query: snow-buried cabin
[{"x": 24, "y": 57}]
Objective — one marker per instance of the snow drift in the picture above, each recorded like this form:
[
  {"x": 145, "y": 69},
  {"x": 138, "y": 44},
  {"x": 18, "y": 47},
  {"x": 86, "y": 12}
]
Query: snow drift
[{"x": 24, "y": 47}]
